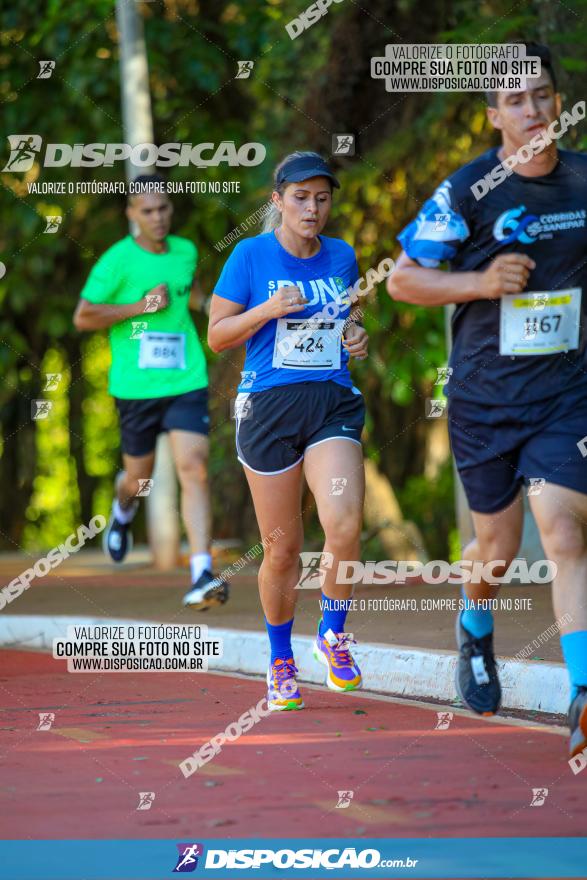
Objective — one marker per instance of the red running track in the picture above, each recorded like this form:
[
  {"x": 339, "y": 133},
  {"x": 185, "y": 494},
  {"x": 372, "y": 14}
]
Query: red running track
[{"x": 115, "y": 735}]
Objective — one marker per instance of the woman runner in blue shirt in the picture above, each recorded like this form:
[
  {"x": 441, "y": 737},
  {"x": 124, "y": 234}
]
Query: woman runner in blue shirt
[{"x": 286, "y": 294}]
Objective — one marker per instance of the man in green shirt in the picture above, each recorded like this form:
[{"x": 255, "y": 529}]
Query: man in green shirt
[{"x": 142, "y": 289}]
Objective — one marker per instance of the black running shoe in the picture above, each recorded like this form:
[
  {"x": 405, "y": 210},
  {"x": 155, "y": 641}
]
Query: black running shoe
[
  {"x": 206, "y": 592},
  {"x": 117, "y": 540},
  {"x": 578, "y": 722},
  {"x": 476, "y": 677}
]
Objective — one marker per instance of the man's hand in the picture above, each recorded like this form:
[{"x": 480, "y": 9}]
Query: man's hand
[
  {"x": 356, "y": 341},
  {"x": 285, "y": 301},
  {"x": 508, "y": 273},
  {"x": 155, "y": 300}
]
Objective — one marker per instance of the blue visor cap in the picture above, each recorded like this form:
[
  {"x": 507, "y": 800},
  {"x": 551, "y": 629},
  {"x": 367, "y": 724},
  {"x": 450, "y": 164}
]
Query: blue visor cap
[{"x": 302, "y": 168}]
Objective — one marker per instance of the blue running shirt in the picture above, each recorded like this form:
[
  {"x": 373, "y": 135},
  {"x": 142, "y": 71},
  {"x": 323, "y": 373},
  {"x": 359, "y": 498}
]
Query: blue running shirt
[
  {"x": 255, "y": 270},
  {"x": 546, "y": 219}
]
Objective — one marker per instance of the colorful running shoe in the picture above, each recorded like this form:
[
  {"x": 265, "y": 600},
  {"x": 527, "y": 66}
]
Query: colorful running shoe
[
  {"x": 578, "y": 722},
  {"x": 332, "y": 649},
  {"x": 282, "y": 688}
]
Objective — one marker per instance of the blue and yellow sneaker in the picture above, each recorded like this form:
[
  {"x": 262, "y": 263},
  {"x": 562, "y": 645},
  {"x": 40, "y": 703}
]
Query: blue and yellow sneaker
[
  {"x": 282, "y": 688},
  {"x": 332, "y": 649}
]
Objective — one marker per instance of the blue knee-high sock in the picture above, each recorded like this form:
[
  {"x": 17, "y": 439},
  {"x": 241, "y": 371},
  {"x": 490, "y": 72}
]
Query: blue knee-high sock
[
  {"x": 334, "y": 612},
  {"x": 280, "y": 639},
  {"x": 476, "y": 621},
  {"x": 574, "y": 647}
]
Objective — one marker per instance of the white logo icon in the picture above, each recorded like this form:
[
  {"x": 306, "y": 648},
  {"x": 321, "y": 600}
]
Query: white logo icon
[
  {"x": 441, "y": 222},
  {"x": 343, "y": 144},
  {"x": 344, "y": 799},
  {"x": 539, "y": 301},
  {"x": 189, "y": 856},
  {"x": 242, "y": 407},
  {"x": 46, "y": 719},
  {"x": 435, "y": 409},
  {"x": 244, "y": 69},
  {"x": 52, "y": 381},
  {"x": 145, "y": 487},
  {"x": 444, "y": 374},
  {"x": 53, "y": 223},
  {"x": 138, "y": 328},
  {"x": 444, "y": 719},
  {"x": 582, "y": 447},
  {"x": 40, "y": 409},
  {"x": 539, "y": 795},
  {"x": 338, "y": 484},
  {"x": 153, "y": 301},
  {"x": 46, "y": 68},
  {"x": 24, "y": 148},
  {"x": 314, "y": 566},
  {"x": 247, "y": 378},
  {"x": 146, "y": 799},
  {"x": 536, "y": 485}
]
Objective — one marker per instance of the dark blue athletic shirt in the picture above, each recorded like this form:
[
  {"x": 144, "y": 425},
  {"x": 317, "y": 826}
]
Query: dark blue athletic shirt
[{"x": 543, "y": 217}]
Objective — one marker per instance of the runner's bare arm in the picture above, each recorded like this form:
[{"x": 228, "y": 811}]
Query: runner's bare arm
[
  {"x": 412, "y": 283},
  {"x": 356, "y": 313},
  {"x": 98, "y": 316},
  {"x": 230, "y": 325},
  {"x": 198, "y": 301}
]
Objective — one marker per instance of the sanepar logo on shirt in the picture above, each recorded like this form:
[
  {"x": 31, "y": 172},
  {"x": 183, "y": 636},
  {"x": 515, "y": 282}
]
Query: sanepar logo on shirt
[
  {"x": 519, "y": 225},
  {"x": 24, "y": 149}
]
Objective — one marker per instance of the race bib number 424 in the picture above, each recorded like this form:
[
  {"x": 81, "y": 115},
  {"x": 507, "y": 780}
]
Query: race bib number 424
[
  {"x": 304, "y": 345},
  {"x": 540, "y": 322}
]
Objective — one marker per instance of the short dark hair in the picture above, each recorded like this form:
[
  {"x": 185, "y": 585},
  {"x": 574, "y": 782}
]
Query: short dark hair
[
  {"x": 148, "y": 183},
  {"x": 537, "y": 50}
]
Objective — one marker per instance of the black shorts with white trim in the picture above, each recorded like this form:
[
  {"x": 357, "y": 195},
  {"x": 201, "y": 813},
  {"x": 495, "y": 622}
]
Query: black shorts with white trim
[{"x": 274, "y": 428}]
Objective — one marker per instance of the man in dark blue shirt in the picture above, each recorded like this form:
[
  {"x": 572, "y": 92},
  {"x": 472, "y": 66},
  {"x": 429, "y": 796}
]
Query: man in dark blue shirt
[{"x": 512, "y": 225}]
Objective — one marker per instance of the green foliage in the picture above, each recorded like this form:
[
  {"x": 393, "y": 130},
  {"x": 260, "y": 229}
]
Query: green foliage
[
  {"x": 53, "y": 510},
  {"x": 430, "y": 504},
  {"x": 300, "y": 92}
]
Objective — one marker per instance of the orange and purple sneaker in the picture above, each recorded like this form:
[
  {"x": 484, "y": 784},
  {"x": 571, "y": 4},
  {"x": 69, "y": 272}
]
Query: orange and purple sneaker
[
  {"x": 282, "y": 688},
  {"x": 332, "y": 649}
]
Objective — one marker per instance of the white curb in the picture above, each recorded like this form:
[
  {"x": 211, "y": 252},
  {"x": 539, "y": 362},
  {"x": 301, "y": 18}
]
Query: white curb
[{"x": 388, "y": 669}]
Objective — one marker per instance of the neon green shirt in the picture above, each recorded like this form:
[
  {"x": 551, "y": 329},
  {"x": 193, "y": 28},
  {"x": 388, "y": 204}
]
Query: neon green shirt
[{"x": 153, "y": 354}]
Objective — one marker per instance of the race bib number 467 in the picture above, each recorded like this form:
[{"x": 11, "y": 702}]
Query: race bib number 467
[{"x": 540, "y": 322}]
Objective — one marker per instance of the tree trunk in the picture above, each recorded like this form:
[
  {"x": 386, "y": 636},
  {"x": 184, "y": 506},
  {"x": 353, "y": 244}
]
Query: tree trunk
[
  {"x": 18, "y": 463},
  {"x": 77, "y": 394}
]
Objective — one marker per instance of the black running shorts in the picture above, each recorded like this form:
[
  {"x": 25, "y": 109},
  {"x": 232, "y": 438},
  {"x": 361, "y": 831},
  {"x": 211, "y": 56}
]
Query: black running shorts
[
  {"x": 275, "y": 427},
  {"x": 499, "y": 449},
  {"x": 142, "y": 420}
]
